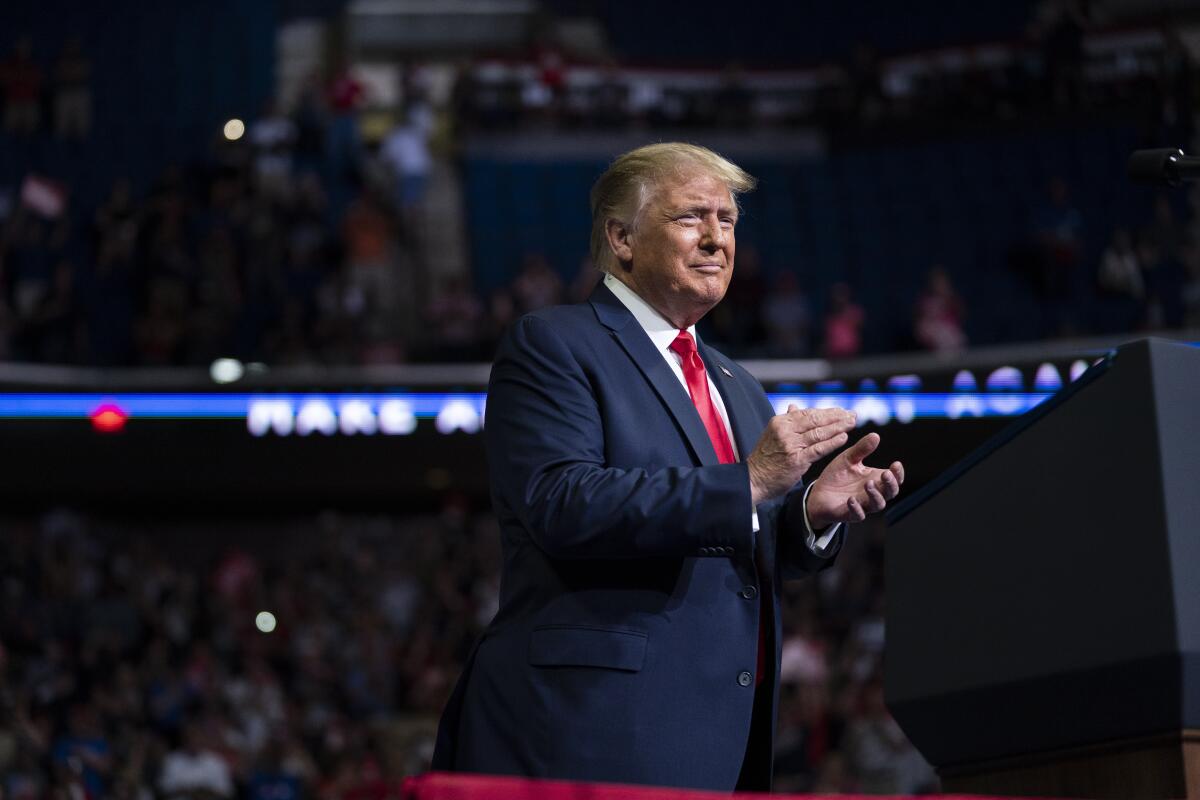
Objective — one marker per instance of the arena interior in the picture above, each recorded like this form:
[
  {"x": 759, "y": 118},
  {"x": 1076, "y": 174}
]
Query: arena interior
[{"x": 256, "y": 257}]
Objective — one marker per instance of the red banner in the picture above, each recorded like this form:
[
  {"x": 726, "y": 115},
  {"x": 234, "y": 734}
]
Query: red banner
[{"x": 453, "y": 786}]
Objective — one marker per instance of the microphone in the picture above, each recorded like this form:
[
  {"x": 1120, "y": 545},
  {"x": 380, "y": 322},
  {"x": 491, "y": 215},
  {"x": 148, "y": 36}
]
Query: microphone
[{"x": 1167, "y": 165}]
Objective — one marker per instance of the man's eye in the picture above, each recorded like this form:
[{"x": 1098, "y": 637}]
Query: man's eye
[
  {"x": 728, "y": 222},
  {"x": 689, "y": 217}
]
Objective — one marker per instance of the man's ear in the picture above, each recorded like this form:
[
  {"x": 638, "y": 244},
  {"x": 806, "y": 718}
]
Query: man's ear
[{"x": 619, "y": 240}]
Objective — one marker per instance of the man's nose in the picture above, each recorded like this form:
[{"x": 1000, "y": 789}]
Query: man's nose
[{"x": 713, "y": 236}]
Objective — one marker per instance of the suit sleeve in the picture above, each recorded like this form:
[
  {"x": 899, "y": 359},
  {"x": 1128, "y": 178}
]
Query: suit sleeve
[
  {"x": 796, "y": 558},
  {"x": 545, "y": 442}
]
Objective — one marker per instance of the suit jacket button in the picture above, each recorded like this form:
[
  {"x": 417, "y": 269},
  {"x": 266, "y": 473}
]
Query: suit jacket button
[
  {"x": 749, "y": 592},
  {"x": 703, "y": 551},
  {"x": 729, "y": 551},
  {"x": 745, "y": 679}
]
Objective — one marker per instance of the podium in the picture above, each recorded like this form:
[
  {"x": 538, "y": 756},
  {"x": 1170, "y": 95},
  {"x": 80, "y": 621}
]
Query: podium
[{"x": 1043, "y": 596}]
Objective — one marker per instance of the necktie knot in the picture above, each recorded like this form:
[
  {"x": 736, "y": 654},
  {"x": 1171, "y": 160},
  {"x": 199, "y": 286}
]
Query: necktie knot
[{"x": 684, "y": 344}]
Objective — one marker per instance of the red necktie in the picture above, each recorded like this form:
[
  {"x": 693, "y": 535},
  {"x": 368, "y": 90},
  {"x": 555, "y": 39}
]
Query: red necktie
[{"x": 697, "y": 382}]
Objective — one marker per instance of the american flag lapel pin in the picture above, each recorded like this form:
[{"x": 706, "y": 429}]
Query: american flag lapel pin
[{"x": 727, "y": 372}]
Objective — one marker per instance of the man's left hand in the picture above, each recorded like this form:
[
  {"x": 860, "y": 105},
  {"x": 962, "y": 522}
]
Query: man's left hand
[{"x": 848, "y": 489}]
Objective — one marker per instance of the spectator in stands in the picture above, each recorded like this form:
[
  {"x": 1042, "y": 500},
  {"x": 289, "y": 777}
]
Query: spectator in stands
[
  {"x": 309, "y": 119},
  {"x": 501, "y": 312},
  {"x": 114, "y": 212},
  {"x": 343, "y": 143},
  {"x": 53, "y": 332},
  {"x": 844, "y": 322},
  {"x": 217, "y": 299},
  {"x": 584, "y": 282},
  {"x": 537, "y": 285},
  {"x": 1163, "y": 233},
  {"x": 273, "y": 139},
  {"x": 272, "y": 778},
  {"x": 940, "y": 311},
  {"x": 787, "y": 317},
  {"x": 370, "y": 237},
  {"x": 733, "y": 102},
  {"x": 405, "y": 150},
  {"x": 1120, "y": 274},
  {"x": 195, "y": 771},
  {"x": 7, "y": 321},
  {"x": 1179, "y": 83},
  {"x": 864, "y": 85},
  {"x": 72, "y": 92},
  {"x": 1052, "y": 264},
  {"x": 1165, "y": 277},
  {"x": 84, "y": 750},
  {"x": 346, "y": 97},
  {"x": 455, "y": 314},
  {"x": 1058, "y": 230},
  {"x": 159, "y": 331},
  {"x": 810, "y": 734},
  {"x": 21, "y": 79},
  {"x": 1122, "y": 286},
  {"x": 739, "y": 319},
  {"x": 28, "y": 263},
  {"x": 610, "y": 104},
  {"x": 1061, "y": 25},
  {"x": 880, "y": 753}
]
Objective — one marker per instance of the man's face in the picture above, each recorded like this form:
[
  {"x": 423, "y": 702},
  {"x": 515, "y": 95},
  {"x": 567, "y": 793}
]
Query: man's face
[{"x": 680, "y": 257}]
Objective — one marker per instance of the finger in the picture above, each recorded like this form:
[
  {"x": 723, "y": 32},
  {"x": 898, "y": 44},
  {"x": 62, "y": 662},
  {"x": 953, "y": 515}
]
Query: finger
[
  {"x": 855, "y": 511},
  {"x": 875, "y": 500},
  {"x": 824, "y": 448},
  {"x": 889, "y": 487},
  {"x": 811, "y": 418},
  {"x": 863, "y": 448},
  {"x": 792, "y": 407},
  {"x": 809, "y": 438},
  {"x": 897, "y": 469}
]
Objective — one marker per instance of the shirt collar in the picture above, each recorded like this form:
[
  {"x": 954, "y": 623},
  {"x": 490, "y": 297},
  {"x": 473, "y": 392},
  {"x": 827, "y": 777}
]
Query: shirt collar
[{"x": 656, "y": 326}]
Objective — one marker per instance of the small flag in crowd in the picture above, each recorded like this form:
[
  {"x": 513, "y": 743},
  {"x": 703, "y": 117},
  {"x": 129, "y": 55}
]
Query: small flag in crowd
[{"x": 46, "y": 197}]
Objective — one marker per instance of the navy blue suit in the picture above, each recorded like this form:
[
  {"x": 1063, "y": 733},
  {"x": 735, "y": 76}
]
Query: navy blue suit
[{"x": 626, "y": 639}]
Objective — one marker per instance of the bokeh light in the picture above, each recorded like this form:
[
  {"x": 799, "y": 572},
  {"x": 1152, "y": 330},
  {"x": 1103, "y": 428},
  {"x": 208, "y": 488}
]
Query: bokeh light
[{"x": 234, "y": 129}]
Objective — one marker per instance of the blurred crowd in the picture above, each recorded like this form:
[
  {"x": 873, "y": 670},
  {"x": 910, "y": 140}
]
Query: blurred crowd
[
  {"x": 216, "y": 264},
  {"x": 300, "y": 242},
  {"x": 1048, "y": 70},
  {"x": 62, "y": 96},
  {"x": 197, "y": 658},
  {"x": 233, "y": 257}
]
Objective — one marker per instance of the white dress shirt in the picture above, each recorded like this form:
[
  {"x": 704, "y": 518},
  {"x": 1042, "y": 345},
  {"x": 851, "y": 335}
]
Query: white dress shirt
[{"x": 662, "y": 333}]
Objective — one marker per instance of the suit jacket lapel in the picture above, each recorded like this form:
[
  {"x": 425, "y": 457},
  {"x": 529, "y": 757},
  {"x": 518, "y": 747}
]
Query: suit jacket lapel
[{"x": 617, "y": 318}]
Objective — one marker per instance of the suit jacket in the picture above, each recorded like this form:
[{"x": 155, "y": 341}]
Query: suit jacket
[{"x": 626, "y": 639}]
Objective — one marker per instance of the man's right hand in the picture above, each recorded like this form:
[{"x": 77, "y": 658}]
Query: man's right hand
[{"x": 792, "y": 443}]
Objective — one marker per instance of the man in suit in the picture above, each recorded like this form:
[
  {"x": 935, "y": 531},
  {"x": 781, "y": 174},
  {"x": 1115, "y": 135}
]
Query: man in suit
[{"x": 651, "y": 505}]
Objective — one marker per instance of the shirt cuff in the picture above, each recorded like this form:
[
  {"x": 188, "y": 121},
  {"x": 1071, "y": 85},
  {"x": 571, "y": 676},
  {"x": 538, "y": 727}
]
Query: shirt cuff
[{"x": 817, "y": 544}]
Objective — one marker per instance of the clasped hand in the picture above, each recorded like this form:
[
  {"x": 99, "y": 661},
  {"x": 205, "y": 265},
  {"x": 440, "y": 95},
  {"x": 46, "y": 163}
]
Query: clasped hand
[{"x": 847, "y": 489}]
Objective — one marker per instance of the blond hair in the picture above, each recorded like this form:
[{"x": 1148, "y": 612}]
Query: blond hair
[{"x": 625, "y": 188}]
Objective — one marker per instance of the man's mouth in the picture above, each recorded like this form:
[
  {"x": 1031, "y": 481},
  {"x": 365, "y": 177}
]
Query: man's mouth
[{"x": 707, "y": 269}]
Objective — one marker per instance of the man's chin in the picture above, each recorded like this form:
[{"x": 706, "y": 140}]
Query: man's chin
[
  {"x": 704, "y": 301},
  {"x": 712, "y": 289}
]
